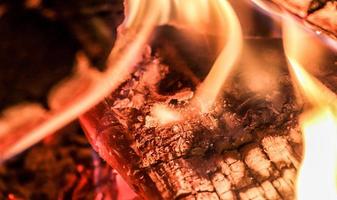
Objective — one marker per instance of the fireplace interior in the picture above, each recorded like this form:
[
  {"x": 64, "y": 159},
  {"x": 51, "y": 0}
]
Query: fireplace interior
[{"x": 167, "y": 129}]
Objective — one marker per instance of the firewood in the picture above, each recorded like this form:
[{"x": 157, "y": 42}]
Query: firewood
[
  {"x": 317, "y": 14},
  {"x": 248, "y": 147}
]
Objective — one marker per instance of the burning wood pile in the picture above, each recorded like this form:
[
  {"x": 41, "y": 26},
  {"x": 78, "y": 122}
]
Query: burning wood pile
[
  {"x": 63, "y": 166},
  {"x": 198, "y": 110}
]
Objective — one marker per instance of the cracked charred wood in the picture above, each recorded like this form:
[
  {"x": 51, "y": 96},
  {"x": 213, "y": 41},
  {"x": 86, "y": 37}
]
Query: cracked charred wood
[
  {"x": 321, "y": 14},
  {"x": 248, "y": 147}
]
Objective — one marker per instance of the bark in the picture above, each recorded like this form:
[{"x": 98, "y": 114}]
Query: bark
[
  {"x": 248, "y": 147},
  {"x": 317, "y": 14}
]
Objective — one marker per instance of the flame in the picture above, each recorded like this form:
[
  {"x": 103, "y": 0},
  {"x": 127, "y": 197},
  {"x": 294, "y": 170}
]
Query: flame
[
  {"x": 121, "y": 62},
  {"x": 214, "y": 17},
  {"x": 209, "y": 90},
  {"x": 317, "y": 176},
  {"x": 142, "y": 17}
]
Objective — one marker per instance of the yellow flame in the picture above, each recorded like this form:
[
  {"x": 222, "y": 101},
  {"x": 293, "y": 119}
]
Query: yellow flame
[
  {"x": 209, "y": 90},
  {"x": 317, "y": 175},
  {"x": 213, "y": 16},
  {"x": 313, "y": 90},
  {"x": 142, "y": 16}
]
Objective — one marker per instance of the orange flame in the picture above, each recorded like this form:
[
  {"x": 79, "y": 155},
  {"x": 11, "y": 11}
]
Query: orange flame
[
  {"x": 142, "y": 17},
  {"x": 121, "y": 61},
  {"x": 214, "y": 17},
  {"x": 317, "y": 175},
  {"x": 212, "y": 86}
]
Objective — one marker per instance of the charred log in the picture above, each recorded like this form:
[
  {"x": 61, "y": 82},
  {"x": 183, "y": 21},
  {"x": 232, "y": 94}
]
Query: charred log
[
  {"x": 248, "y": 147},
  {"x": 319, "y": 14}
]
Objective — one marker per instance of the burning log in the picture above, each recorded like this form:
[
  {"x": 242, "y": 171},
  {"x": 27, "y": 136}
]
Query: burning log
[
  {"x": 62, "y": 166},
  {"x": 248, "y": 146},
  {"x": 321, "y": 14},
  {"x": 245, "y": 144}
]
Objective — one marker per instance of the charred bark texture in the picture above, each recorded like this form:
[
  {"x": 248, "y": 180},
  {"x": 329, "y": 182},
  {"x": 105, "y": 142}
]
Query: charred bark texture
[
  {"x": 319, "y": 14},
  {"x": 248, "y": 147}
]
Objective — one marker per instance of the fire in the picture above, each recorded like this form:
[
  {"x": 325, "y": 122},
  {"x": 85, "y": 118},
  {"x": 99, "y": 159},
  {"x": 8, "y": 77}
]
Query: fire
[
  {"x": 121, "y": 62},
  {"x": 209, "y": 90},
  {"x": 214, "y": 17},
  {"x": 317, "y": 176},
  {"x": 142, "y": 17}
]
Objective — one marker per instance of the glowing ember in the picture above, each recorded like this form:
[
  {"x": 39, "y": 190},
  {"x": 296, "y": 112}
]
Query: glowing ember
[
  {"x": 164, "y": 115},
  {"x": 317, "y": 176},
  {"x": 214, "y": 17}
]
